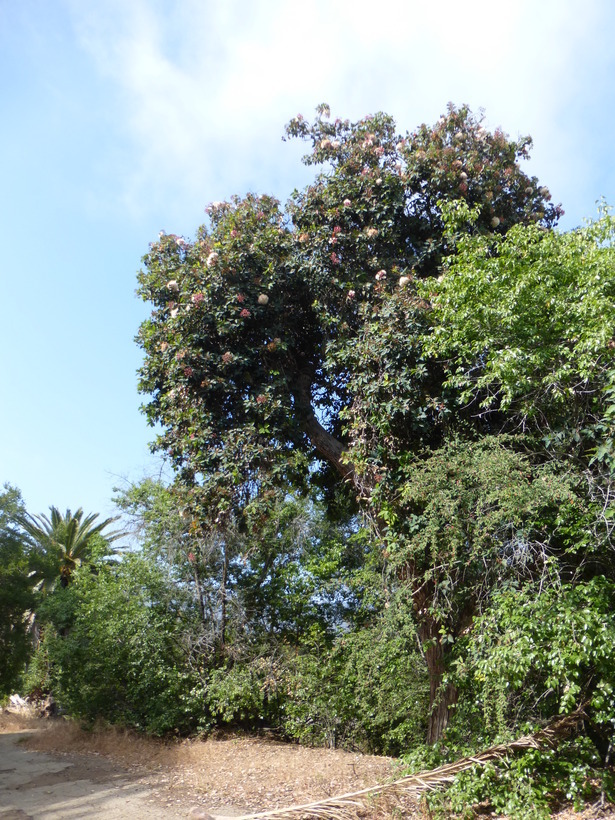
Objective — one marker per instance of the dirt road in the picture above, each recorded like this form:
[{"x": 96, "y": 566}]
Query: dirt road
[{"x": 51, "y": 787}]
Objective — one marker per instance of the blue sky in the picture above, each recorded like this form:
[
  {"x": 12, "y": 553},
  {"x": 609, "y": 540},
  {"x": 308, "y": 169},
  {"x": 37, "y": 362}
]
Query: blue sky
[{"x": 120, "y": 119}]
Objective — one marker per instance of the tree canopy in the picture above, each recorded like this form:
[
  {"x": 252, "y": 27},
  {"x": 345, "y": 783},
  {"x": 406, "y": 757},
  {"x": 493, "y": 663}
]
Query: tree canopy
[
  {"x": 16, "y": 596},
  {"x": 252, "y": 344}
]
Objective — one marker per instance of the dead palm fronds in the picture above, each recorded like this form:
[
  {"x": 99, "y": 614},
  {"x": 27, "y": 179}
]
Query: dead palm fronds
[{"x": 347, "y": 806}]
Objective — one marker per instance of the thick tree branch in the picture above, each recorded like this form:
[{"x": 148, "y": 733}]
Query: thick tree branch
[{"x": 327, "y": 445}]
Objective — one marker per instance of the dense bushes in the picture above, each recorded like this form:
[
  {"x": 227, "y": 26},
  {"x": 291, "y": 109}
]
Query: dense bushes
[
  {"x": 118, "y": 644},
  {"x": 111, "y": 648}
]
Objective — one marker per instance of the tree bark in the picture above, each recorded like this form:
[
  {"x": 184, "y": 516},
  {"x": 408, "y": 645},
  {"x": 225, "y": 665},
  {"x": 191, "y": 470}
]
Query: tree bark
[
  {"x": 442, "y": 699},
  {"x": 223, "y": 598}
]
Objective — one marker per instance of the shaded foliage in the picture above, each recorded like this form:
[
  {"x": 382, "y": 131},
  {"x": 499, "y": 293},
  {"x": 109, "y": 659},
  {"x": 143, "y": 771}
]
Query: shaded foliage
[
  {"x": 112, "y": 648},
  {"x": 17, "y": 600}
]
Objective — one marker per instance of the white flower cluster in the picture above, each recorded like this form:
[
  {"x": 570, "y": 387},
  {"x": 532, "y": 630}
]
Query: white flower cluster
[{"x": 215, "y": 206}]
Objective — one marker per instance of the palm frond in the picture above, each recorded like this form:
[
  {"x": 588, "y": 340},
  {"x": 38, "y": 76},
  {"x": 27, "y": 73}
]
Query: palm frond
[
  {"x": 347, "y": 806},
  {"x": 65, "y": 540}
]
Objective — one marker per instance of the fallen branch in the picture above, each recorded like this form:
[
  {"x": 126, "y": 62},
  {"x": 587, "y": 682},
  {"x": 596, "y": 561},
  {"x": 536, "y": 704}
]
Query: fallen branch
[{"x": 346, "y": 806}]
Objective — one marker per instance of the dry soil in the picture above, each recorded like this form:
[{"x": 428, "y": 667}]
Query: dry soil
[{"x": 51, "y": 770}]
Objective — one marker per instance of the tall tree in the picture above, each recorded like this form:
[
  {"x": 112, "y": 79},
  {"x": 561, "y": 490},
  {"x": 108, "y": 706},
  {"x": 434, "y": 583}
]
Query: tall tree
[{"x": 283, "y": 338}]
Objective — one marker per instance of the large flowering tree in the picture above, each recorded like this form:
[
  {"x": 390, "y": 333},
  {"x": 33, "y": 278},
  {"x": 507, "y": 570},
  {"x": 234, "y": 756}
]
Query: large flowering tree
[{"x": 284, "y": 338}]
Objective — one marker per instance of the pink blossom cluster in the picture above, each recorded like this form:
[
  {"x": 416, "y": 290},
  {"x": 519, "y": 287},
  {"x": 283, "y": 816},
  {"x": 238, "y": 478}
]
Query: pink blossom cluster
[
  {"x": 381, "y": 275},
  {"x": 245, "y": 314},
  {"x": 197, "y": 298}
]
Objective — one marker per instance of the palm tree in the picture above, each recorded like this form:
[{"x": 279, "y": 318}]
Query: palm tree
[{"x": 66, "y": 541}]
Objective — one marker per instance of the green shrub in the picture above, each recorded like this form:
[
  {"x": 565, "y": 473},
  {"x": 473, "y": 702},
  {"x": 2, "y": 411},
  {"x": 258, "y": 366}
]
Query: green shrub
[
  {"x": 112, "y": 649},
  {"x": 368, "y": 691},
  {"x": 528, "y": 786},
  {"x": 542, "y": 652}
]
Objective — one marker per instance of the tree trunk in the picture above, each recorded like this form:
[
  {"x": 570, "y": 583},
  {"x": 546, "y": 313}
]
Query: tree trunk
[
  {"x": 441, "y": 699},
  {"x": 199, "y": 593}
]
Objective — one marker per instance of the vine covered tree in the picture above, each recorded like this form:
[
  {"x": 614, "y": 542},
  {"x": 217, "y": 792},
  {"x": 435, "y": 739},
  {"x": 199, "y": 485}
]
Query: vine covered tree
[{"x": 284, "y": 338}]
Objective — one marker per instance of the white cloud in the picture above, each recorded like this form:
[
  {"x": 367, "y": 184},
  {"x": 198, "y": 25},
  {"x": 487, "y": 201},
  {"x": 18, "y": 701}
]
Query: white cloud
[{"x": 207, "y": 88}]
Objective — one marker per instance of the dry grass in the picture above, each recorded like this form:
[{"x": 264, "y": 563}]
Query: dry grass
[
  {"x": 122, "y": 745},
  {"x": 18, "y": 721},
  {"x": 248, "y": 774}
]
